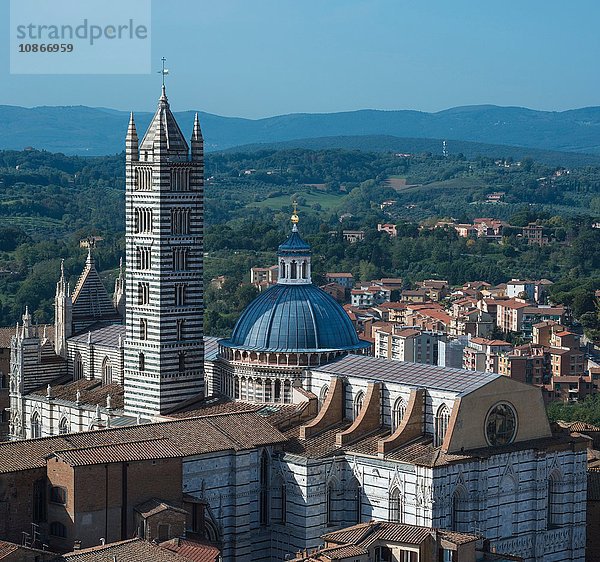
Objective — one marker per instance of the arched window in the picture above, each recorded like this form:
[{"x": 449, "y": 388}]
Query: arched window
[
  {"x": 278, "y": 501},
  {"x": 358, "y": 403},
  {"x": 264, "y": 488},
  {"x": 554, "y": 503},
  {"x": 143, "y": 328},
  {"x": 396, "y": 506},
  {"x": 63, "y": 426},
  {"x": 282, "y": 269},
  {"x": 355, "y": 499},
  {"x": 323, "y": 395},
  {"x": 39, "y": 507},
  {"x": 398, "y": 412},
  {"x": 293, "y": 269},
  {"x": 304, "y": 270},
  {"x": 57, "y": 529},
  {"x": 460, "y": 511},
  {"x": 277, "y": 390},
  {"x": 507, "y": 515},
  {"x": 442, "y": 419},
  {"x": 141, "y": 362},
  {"x": 36, "y": 426},
  {"x": 330, "y": 501},
  {"x": 77, "y": 366},
  {"x": 106, "y": 371}
]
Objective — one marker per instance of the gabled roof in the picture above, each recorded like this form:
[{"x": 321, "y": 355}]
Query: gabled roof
[
  {"x": 154, "y": 506},
  {"x": 90, "y": 298}
]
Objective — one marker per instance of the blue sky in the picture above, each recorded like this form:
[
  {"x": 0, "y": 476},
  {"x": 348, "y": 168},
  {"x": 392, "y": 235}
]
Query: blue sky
[{"x": 255, "y": 58}]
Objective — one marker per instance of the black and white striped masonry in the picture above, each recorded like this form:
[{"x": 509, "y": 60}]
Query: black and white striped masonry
[{"x": 164, "y": 351}]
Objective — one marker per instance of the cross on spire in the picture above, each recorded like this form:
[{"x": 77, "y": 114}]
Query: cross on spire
[{"x": 164, "y": 71}]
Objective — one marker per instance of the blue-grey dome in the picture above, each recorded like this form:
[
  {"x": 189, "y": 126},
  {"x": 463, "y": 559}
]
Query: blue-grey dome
[
  {"x": 294, "y": 244},
  {"x": 294, "y": 318}
]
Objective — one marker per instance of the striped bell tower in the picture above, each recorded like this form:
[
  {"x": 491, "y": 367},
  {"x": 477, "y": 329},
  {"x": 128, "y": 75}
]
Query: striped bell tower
[{"x": 164, "y": 350}]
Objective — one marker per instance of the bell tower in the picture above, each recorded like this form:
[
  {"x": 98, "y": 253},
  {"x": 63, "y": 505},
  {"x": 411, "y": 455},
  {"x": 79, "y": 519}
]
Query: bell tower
[{"x": 164, "y": 349}]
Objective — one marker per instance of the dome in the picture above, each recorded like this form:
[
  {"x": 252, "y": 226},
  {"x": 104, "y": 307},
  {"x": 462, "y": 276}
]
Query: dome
[
  {"x": 294, "y": 318},
  {"x": 294, "y": 244}
]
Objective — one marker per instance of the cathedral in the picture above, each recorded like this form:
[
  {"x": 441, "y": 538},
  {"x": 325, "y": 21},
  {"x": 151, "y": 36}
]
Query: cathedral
[{"x": 339, "y": 437}]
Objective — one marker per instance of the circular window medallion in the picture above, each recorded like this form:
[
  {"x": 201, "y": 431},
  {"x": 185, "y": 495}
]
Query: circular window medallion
[{"x": 501, "y": 424}]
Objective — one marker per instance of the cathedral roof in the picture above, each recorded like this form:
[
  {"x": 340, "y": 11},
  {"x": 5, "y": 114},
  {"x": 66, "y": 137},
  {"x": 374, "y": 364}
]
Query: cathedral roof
[
  {"x": 290, "y": 318},
  {"x": 176, "y": 142},
  {"x": 90, "y": 298},
  {"x": 91, "y": 392},
  {"x": 417, "y": 375}
]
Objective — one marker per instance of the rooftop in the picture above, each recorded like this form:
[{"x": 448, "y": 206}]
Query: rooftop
[
  {"x": 181, "y": 437},
  {"x": 108, "y": 336},
  {"x": 132, "y": 550},
  {"x": 416, "y": 375}
]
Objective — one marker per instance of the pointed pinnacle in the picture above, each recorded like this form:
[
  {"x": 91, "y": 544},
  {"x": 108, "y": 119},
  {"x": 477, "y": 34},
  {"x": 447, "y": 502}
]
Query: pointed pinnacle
[
  {"x": 197, "y": 133},
  {"x": 131, "y": 130}
]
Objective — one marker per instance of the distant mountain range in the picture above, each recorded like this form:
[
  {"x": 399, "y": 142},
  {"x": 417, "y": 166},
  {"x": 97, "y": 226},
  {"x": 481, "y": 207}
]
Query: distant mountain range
[
  {"x": 388, "y": 143},
  {"x": 96, "y": 131}
]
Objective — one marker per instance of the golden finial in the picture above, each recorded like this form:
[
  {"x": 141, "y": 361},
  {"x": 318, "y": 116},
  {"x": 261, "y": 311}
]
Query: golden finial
[{"x": 295, "y": 218}]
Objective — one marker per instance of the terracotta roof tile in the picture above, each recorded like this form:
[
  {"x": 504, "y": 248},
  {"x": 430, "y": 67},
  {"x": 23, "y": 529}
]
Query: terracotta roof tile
[
  {"x": 191, "y": 550},
  {"x": 92, "y": 392},
  {"x": 154, "y": 506},
  {"x": 132, "y": 550},
  {"x": 346, "y": 551},
  {"x": 129, "y": 451},
  {"x": 187, "y": 437}
]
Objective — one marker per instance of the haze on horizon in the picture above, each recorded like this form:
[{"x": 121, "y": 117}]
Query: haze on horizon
[{"x": 257, "y": 58}]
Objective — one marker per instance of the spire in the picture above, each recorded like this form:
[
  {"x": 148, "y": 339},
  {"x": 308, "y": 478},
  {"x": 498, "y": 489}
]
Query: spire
[
  {"x": 119, "y": 292},
  {"x": 131, "y": 141},
  {"x": 61, "y": 286},
  {"x": 27, "y": 328},
  {"x": 197, "y": 133},
  {"x": 197, "y": 140},
  {"x": 89, "y": 262},
  {"x": 175, "y": 142}
]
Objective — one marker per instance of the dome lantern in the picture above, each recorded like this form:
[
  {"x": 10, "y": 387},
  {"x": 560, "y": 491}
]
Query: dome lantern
[{"x": 294, "y": 257}]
